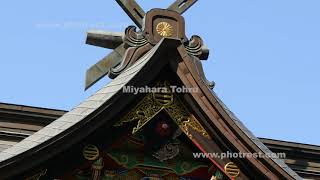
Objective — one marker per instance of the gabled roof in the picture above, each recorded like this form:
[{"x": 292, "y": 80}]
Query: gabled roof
[
  {"x": 64, "y": 125},
  {"x": 304, "y": 159},
  {"x": 80, "y": 121},
  {"x": 18, "y": 122}
]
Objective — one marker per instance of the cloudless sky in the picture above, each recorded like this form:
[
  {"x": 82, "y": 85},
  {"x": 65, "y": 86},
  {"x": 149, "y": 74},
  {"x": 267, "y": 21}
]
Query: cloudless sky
[{"x": 265, "y": 56}]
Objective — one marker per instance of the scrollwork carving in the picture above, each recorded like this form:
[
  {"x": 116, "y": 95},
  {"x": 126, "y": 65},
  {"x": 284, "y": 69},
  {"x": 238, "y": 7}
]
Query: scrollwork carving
[
  {"x": 168, "y": 151},
  {"x": 195, "y": 47},
  {"x": 136, "y": 46},
  {"x": 133, "y": 38},
  {"x": 148, "y": 108},
  {"x": 142, "y": 113}
]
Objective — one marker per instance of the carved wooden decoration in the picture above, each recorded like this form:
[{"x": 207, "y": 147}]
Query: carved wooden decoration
[
  {"x": 153, "y": 103},
  {"x": 130, "y": 46},
  {"x": 158, "y": 17}
]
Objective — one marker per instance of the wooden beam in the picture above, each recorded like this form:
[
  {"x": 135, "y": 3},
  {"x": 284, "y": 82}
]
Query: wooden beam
[
  {"x": 105, "y": 39},
  {"x": 181, "y": 6},
  {"x": 101, "y": 68},
  {"x": 134, "y": 11}
]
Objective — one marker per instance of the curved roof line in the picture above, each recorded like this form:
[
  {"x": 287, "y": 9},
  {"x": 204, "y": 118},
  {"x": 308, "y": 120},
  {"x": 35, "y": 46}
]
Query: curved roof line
[{"x": 92, "y": 105}]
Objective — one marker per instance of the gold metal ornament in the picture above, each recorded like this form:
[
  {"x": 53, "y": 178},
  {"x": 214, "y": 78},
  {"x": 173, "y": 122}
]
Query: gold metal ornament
[
  {"x": 164, "y": 29},
  {"x": 232, "y": 169},
  {"x": 163, "y": 99},
  {"x": 153, "y": 103},
  {"x": 90, "y": 152}
]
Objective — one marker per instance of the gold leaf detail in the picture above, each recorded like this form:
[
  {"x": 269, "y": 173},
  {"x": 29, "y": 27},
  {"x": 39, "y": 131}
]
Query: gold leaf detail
[
  {"x": 232, "y": 169},
  {"x": 164, "y": 29},
  {"x": 153, "y": 103},
  {"x": 90, "y": 152}
]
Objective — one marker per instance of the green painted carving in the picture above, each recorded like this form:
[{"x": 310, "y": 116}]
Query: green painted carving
[{"x": 182, "y": 164}]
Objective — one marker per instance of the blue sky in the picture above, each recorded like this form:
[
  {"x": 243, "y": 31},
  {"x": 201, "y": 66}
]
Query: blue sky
[{"x": 265, "y": 56}]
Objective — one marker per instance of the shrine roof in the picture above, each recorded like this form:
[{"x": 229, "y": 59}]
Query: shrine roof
[{"x": 93, "y": 104}]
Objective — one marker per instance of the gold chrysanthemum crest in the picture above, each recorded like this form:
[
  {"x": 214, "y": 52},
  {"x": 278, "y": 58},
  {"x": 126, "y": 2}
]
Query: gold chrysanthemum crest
[{"x": 164, "y": 29}]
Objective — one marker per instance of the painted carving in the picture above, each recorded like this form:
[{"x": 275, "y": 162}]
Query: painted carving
[
  {"x": 168, "y": 151},
  {"x": 96, "y": 169},
  {"x": 149, "y": 107}
]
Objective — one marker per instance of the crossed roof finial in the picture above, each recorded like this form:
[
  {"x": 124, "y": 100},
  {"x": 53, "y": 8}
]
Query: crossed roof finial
[
  {"x": 167, "y": 23},
  {"x": 136, "y": 13}
]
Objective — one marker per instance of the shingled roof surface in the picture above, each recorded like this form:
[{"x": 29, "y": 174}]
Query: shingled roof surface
[
  {"x": 17, "y": 122},
  {"x": 78, "y": 113},
  {"x": 102, "y": 96}
]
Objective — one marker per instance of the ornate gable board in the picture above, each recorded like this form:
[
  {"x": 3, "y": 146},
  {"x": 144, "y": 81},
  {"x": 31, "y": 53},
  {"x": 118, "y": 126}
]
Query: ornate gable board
[
  {"x": 170, "y": 154},
  {"x": 155, "y": 103}
]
